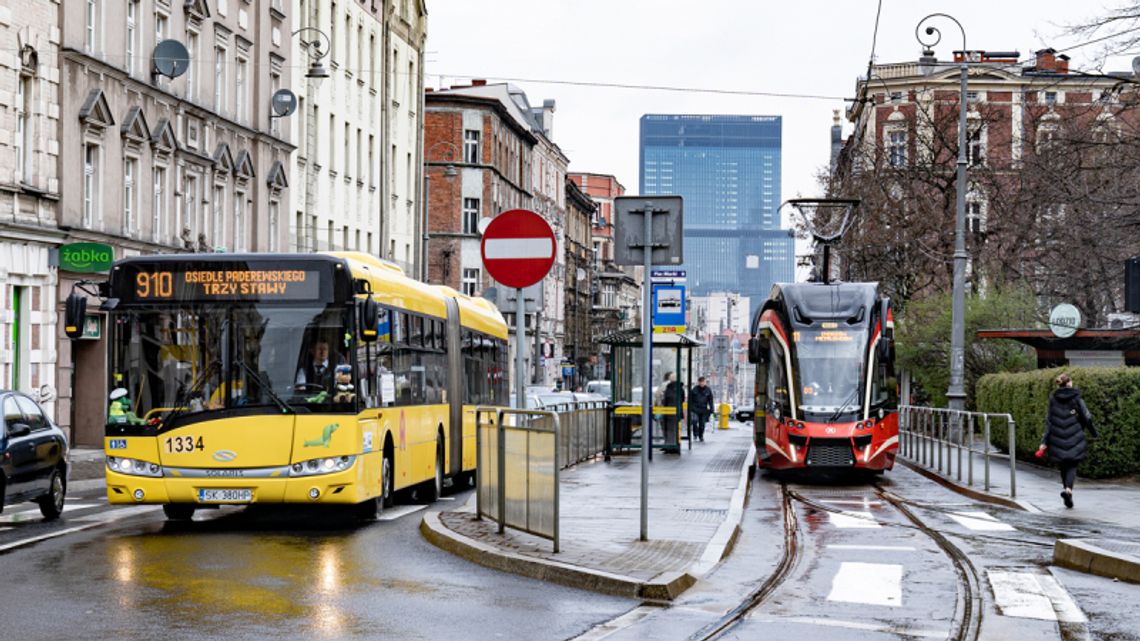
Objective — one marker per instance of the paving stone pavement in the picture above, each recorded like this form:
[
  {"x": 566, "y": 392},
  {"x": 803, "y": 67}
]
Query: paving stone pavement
[{"x": 690, "y": 498}]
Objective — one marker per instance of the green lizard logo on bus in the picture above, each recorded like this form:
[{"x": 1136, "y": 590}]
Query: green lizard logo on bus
[{"x": 326, "y": 436}]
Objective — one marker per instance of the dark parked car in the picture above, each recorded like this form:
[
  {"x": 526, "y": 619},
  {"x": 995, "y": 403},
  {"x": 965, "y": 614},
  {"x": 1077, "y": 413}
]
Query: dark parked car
[
  {"x": 33, "y": 456},
  {"x": 744, "y": 413}
]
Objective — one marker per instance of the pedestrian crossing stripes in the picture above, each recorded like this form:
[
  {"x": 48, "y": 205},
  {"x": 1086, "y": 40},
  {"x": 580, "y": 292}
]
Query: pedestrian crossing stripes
[
  {"x": 32, "y": 512},
  {"x": 867, "y": 583},
  {"x": 1033, "y": 595},
  {"x": 391, "y": 514},
  {"x": 980, "y": 522},
  {"x": 853, "y": 520}
]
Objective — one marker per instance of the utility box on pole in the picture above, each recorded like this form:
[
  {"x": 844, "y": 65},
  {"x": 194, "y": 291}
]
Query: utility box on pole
[{"x": 1132, "y": 285}]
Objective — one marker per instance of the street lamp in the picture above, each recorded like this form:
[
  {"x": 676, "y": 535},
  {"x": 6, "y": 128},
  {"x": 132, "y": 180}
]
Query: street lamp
[
  {"x": 956, "y": 394},
  {"x": 317, "y": 50},
  {"x": 449, "y": 172}
]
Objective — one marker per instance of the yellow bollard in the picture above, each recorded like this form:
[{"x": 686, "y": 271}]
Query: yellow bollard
[{"x": 723, "y": 419}]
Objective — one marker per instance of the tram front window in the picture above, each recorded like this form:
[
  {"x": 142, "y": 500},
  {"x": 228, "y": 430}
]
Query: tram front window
[
  {"x": 831, "y": 367},
  {"x": 194, "y": 359}
]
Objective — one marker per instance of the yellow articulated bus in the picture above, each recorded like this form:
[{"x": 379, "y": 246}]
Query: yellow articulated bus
[{"x": 280, "y": 378}]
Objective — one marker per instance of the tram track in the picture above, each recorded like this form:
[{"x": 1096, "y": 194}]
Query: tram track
[{"x": 968, "y": 600}]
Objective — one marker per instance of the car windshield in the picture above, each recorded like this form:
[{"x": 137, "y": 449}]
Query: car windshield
[
  {"x": 830, "y": 367},
  {"x": 202, "y": 358}
]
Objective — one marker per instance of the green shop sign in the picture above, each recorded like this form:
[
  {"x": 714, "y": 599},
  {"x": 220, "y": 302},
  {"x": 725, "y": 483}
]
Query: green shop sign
[{"x": 86, "y": 258}]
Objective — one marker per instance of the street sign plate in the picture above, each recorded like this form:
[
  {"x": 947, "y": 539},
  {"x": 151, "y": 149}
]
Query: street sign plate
[
  {"x": 518, "y": 248},
  {"x": 669, "y": 309},
  {"x": 666, "y": 239}
]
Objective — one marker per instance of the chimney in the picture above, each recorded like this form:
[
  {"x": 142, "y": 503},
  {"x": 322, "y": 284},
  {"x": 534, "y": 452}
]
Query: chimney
[
  {"x": 478, "y": 82},
  {"x": 1062, "y": 64},
  {"x": 1046, "y": 61},
  {"x": 545, "y": 117}
]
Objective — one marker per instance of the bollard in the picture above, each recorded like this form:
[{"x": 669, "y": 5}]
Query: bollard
[
  {"x": 970, "y": 451},
  {"x": 986, "y": 453},
  {"x": 1012, "y": 458},
  {"x": 722, "y": 420}
]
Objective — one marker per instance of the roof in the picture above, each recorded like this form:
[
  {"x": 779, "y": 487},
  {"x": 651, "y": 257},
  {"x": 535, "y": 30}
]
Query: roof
[
  {"x": 632, "y": 337},
  {"x": 1083, "y": 339}
]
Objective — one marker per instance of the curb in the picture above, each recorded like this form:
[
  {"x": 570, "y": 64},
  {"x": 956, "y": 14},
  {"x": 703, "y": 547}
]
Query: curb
[
  {"x": 1084, "y": 555},
  {"x": 970, "y": 492},
  {"x": 665, "y": 587}
]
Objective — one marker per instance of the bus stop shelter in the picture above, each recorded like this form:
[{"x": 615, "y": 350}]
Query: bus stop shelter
[{"x": 672, "y": 353}]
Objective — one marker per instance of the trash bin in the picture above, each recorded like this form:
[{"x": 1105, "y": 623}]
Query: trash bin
[{"x": 622, "y": 434}]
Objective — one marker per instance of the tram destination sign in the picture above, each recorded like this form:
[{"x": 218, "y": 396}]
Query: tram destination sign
[{"x": 164, "y": 283}]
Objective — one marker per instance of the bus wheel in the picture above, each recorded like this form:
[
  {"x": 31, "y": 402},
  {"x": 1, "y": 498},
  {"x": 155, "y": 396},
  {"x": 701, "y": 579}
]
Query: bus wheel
[
  {"x": 387, "y": 481},
  {"x": 178, "y": 511},
  {"x": 435, "y": 488}
]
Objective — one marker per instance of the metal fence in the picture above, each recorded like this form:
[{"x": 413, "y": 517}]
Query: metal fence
[
  {"x": 583, "y": 433},
  {"x": 952, "y": 441},
  {"x": 518, "y": 469}
]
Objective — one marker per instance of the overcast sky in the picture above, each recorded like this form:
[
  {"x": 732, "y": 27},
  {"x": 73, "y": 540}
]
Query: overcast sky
[{"x": 788, "y": 47}]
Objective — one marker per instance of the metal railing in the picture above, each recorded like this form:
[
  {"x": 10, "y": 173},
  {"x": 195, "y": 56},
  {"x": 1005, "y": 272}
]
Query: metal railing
[
  {"x": 583, "y": 433},
  {"x": 945, "y": 440},
  {"x": 518, "y": 453}
]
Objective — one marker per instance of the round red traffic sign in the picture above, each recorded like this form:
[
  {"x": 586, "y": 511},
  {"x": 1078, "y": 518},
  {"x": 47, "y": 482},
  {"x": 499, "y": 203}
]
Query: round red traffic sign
[{"x": 518, "y": 248}]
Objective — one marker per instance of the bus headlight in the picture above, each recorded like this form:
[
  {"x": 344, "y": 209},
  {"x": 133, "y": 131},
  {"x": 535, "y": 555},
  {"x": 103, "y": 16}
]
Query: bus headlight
[
  {"x": 134, "y": 467},
  {"x": 327, "y": 465}
]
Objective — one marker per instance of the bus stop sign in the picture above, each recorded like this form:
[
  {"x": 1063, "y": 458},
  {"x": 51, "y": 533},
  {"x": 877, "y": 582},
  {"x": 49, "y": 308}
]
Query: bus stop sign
[{"x": 518, "y": 248}]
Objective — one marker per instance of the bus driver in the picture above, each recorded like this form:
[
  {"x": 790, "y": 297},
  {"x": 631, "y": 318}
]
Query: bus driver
[{"x": 318, "y": 368}]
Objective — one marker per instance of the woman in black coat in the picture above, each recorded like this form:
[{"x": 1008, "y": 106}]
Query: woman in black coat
[{"x": 1064, "y": 437}]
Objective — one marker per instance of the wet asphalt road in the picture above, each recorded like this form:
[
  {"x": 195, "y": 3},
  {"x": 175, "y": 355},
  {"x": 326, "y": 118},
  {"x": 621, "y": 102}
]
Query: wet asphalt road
[
  {"x": 259, "y": 574},
  {"x": 871, "y": 561}
]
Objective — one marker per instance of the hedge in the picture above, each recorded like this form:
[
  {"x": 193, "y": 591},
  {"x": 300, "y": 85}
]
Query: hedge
[{"x": 1112, "y": 396}]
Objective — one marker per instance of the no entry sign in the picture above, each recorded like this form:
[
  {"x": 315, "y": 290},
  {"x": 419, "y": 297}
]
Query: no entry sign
[{"x": 518, "y": 248}]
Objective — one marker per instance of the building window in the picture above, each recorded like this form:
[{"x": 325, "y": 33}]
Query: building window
[
  {"x": 470, "y": 215},
  {"x": 1050, "y": 97},
  {"x": 471, "y": 282},
  {"x": 160, "y": 22},
  {"x": 130, "y": 207},
  {"x": 971, "y": 97},
  {"x": 471, "y": 146},
  {"x": 191, "y": 198},
  {"x": 975, "y": 215},
  {"x": 896, "y": 96},
  {"x": 158, "y": 207},
  {"x": 371, "y": 162},
  {"x": 90, "y": 185},
  {"x": 192, "y": 49},
  {"x": 91, "y": 28},
  {"x": 239, "y": 221},
  {"x": 347, "y": 149},
  {"x": 896, "y": 147},
  {"x": 132, "y": 33},
  {"x": 332, "y": 143},
  {"x": 274, "y": 209},
  {"x": 24, "y": 136},
  {"x": 217, "y": 215},
  {"x": 220, "y": 80},
  {"x": 241, "y": 70},
  {"x": 976, "y": 147}
]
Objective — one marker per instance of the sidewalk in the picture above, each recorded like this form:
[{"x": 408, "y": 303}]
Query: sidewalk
[
  {"x": 1038, "y": 490},
  {"x": 88, "y": 468},
  {"x": 696, "y": 501}
]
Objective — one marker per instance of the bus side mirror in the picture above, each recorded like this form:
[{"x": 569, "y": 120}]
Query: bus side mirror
[
  {"x": 369, "y": 319},
  {"x": 75, "y": 310},
  {"x": 757, "y": 350}
]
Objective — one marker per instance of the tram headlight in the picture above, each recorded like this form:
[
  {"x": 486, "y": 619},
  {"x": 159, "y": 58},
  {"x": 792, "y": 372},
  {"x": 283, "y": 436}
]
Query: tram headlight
[
  {"x": 134, "y": 467},
  {"x": 326, "y": 465}
]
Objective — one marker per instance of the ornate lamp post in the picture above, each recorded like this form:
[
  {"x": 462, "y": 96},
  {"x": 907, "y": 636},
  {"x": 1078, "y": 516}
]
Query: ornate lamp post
[
  {"x": 956, "y": 394},
  {"x": 449, "y": 172}
]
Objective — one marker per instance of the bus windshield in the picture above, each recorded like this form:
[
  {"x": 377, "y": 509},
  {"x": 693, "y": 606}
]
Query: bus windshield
[
  {"x": 193, "y": 359},
  {"x": 830, "y": 368}
]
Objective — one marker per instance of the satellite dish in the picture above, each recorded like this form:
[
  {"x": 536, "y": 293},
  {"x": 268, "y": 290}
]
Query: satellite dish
[
  {"x": 1136, "y": 66},
  {"x": 483, "y": 222},
  {"x": 284, "y": 103},
  {"x": 170, "y": 58},
  {"x": 580, "y": 274}
]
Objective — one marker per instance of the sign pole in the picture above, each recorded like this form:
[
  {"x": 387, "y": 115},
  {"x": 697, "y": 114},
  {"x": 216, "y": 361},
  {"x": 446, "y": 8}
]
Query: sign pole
[
  {"x": 647, "y": 386},
  {"x": 520, "y": 347}
]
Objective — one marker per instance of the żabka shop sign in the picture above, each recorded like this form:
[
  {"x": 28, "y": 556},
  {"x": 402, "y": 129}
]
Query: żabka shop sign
[{"x": 86, "y": 258}]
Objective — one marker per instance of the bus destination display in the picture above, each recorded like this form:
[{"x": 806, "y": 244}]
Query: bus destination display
[{"x": 164, "y": 284}]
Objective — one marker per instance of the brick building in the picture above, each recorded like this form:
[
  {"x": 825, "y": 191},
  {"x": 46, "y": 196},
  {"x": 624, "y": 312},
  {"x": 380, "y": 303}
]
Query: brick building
[
  {"x": 1026, "y": 121},
  {"x": 579, "y": 344}
]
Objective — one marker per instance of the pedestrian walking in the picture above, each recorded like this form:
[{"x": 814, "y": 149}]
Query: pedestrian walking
[
  {"x": 1064, "y": 439},
  {"x": 700, "y": 407},
  {"x": 672, "y": 394}
]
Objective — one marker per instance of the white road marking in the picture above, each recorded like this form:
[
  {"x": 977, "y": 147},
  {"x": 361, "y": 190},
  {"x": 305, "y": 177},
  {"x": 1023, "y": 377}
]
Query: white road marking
[
  {"x": 980, "y": 522},
  {"x": 869, "y": 583},
  {"x": 858, "y": 625},
  {"x": 518, "y": 247},
  {"x": 88, "y": 522},
  {"x": 622, "y": 622},
  {"x": 848, "y": 520},
  {"x": 860, "y": 502},
  {"x": 885, "y": 548},
  {"x": 32, "y": 512},
  {"x": 392, "y": 514},
  {"x": 1033, "y": 595}
]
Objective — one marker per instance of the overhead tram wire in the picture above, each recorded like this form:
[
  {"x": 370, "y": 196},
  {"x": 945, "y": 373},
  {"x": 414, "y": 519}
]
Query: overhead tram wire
[{"x": 620, "y": 85}]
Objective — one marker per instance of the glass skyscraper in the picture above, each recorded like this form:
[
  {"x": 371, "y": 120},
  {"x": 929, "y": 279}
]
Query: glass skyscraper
[{"x": 727, "y": 168}]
